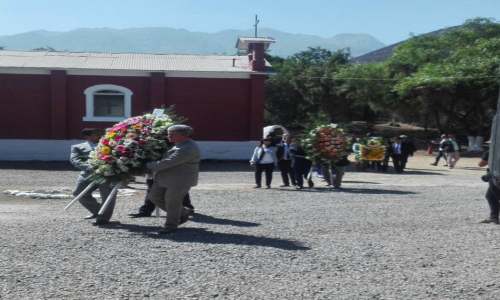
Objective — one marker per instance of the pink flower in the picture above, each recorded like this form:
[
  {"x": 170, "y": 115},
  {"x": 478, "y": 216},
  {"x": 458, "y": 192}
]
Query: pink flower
[
  {"x": 104, "y": 141},
  {"x": 120, "y": 148},
  {"x": 126, "y": 153},
  {"x": 106, "y": 158},
  {"x": 117, "y": 137},
  {"x": 141, "y": 142},
  {"x": 147, "y": 121}
]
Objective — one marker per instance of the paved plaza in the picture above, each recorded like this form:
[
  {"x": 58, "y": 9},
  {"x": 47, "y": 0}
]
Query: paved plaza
[{"x": 383, "y": 236}]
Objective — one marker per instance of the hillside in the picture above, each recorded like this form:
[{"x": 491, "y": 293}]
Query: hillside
[{"x": 170, "y": 40}]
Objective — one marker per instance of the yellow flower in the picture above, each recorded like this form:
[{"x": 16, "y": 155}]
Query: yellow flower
[
  {"x": 105, "y": 150},
  {"x": 111, "y": 134}
]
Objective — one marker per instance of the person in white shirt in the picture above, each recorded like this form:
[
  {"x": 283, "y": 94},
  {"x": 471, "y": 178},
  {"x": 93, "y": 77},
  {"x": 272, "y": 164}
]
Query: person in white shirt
[{"x": 264, "y": 160}]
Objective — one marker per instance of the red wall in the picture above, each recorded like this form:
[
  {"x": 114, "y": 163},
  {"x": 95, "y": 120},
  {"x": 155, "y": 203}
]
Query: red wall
[
  {"x": 218, "y": 109},
  {"x": 24, "y": 106}
]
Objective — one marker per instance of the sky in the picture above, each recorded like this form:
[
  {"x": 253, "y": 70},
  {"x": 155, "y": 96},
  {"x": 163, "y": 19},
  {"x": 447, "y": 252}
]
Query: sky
[{"x": 390, "y": 21}]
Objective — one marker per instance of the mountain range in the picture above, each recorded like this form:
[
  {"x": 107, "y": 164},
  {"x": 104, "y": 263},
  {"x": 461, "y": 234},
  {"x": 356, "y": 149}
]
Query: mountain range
[{"x": 171, "y": 40}]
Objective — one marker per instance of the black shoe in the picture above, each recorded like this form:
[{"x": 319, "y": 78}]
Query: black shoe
[
  {"x": 310, "y": 184},
  {"x": 92, "y": 216},
  {"x": 191, "y": 211},
  {"x": 139, "y": 215},
  {"x": 267, "y": 187},
  {"x": 299, "y": 187},
  {"x": 336, "y": 187},
  {"x": 491, "y": 220},
  {"x": 284, "y": 185},
  {"x": 257, "y": 186},
  {"x": 445, "y": 165},
  {"x": 184, "y": 217},
  {"x": 99, "y": 222},
  {"x": 167, "y": 230},
  {"x": 434, "y": 164}
]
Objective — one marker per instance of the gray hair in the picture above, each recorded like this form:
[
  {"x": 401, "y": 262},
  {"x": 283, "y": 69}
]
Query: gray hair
[{"x": 182, "y": 129}]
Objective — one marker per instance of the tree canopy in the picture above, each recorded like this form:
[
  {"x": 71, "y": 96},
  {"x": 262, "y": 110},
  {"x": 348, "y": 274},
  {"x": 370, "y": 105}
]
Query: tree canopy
[{"x": 449, "y": 80}]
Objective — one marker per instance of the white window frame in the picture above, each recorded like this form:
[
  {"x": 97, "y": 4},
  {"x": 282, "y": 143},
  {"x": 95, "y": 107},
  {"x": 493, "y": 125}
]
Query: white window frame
[{"x": 89, "y": 103}]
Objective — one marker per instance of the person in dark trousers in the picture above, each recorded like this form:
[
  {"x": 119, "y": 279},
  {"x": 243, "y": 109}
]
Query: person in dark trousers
[
  {"x": 409, "y": 148},
  {"x": 285, "y": 161},
  {"x": 301, "y": 166},
  {"x": 148, "y": 207},
  {"x": 492, "y": 194},
  {"x": 441, "y": 152},
  {"x": 264, "y": 160},
  {"x": 399, "y": 154}
]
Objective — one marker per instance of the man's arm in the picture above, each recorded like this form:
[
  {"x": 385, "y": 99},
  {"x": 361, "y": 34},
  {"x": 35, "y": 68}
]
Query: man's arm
[
  {"x": 178, "y": 157},
  {"x": 76, "y": 159}
]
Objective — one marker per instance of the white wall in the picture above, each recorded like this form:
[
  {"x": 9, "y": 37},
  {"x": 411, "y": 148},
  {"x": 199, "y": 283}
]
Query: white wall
[{"x": 59, "y": 150}]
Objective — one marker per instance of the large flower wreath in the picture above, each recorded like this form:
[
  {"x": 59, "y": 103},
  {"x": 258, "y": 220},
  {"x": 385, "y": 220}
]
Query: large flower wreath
[
  {"x": 326, "y": 143},
  {"x": 127, "y": 146}
]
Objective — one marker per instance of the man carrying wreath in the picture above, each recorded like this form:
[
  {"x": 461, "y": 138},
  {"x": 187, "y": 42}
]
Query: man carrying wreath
[
  {"x": 175, "y": 173},
  {"x": 79, "y": 158}
]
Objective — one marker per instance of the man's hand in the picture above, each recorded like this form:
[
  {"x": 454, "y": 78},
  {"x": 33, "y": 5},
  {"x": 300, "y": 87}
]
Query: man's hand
[{"x": 482, "y": 163}]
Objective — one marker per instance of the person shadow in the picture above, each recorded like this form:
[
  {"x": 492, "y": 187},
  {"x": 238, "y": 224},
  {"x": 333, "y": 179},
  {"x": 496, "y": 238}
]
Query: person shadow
[
  {"x": 204, "y": 236},
  {"x": 201, "y": 218}
]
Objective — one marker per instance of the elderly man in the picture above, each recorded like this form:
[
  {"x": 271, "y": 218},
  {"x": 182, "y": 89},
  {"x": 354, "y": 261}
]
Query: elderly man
[
  {"x": 176, "y": 173},
  {"x": 79, "y": 157}
]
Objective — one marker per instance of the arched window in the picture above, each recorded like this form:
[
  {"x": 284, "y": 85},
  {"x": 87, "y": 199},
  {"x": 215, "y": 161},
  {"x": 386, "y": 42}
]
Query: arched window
[{"x": 107, "y": 102}]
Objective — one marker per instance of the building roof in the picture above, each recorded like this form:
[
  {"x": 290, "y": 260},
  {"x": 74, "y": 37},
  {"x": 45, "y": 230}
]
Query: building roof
[
  {"x": 147, "y": 62},
  {"x": 243, "y": 42}
]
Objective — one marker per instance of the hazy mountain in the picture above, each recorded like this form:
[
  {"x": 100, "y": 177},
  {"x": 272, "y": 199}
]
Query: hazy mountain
[{"x": 170, "y": 40}]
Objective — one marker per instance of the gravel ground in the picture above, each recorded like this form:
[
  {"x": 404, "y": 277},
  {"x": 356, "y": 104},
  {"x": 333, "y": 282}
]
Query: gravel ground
[{"x": 383, "y": 236}]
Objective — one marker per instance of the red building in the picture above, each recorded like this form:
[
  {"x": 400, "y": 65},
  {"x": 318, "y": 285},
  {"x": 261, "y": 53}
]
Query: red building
[{"x": 48, "y": 97}]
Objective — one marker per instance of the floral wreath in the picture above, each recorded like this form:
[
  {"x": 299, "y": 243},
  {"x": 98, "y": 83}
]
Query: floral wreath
[{"x": 327, "y": 143}]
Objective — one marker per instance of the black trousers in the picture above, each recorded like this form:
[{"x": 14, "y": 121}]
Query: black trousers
[
  {"x": 440, "y": 154},
  {"x": 148, "y": 207},
  {"x": 493, "y": 197},
  {"x": 286, "y": 171},
  {"x": 301, "y": 171},
  {"x": 268, "y": 169},
  {"x": 398, "y": 161}
]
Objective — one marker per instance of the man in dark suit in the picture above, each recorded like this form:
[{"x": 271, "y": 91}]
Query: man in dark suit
[
  {"x": 285, "y": 161},
  {"x": 409, "y": 148},
  {"x": 79, "y": 158},
  {"x": 399, "y": 153},
  {"x": 300, "y": 165}
]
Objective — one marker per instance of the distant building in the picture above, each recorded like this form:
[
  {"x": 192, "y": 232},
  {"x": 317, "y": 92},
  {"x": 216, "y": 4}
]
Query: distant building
[{"x": 46, "y": 98}]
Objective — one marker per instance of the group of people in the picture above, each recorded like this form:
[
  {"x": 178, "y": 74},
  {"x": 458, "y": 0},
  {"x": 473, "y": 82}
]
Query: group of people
[
  {"x": 170, "y": 179},
  {"x": 398, "y": 148},
  {"x": 449, "y": 149},
  {"x": 295, "y": 168}
]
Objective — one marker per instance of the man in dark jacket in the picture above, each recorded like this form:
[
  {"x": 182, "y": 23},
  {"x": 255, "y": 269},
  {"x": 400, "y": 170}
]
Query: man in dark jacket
[
  {"x": 399, "y": 153},
  {"x": 285, "y": 162},
  {"x": 452, "y": 149},
  {"x": 300, "y": 165}
]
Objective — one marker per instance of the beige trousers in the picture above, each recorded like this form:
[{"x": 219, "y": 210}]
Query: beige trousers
[
  {"x": 170, "y": 200},
  {"x": 452, "y": 158}
]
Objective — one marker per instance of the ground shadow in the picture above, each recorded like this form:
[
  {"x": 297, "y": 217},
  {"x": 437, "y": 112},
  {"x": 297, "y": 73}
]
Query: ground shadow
[
  {"x": 351, "y": 190},
  {"x": 201, "y": 218},
  {"x": 367, "y": 182},
  {"x": 201, "y": 235},
  {"x": 419, "y": 173}
]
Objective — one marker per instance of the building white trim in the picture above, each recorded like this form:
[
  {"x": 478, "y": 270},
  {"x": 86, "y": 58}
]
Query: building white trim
[
  {"x": 59, "y": 150},
  {"x": 89, "y": 103}
]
